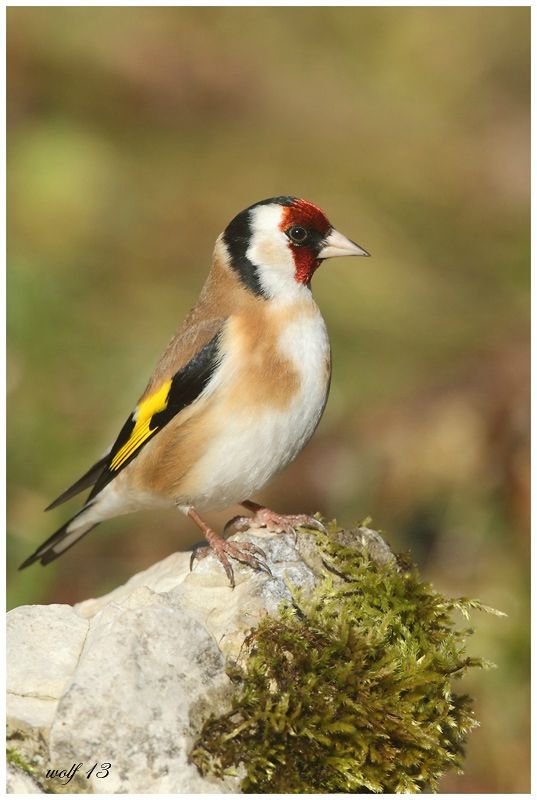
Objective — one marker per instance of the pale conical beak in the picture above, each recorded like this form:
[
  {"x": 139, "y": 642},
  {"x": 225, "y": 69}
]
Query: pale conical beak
[{"x": 336, "y": 244}]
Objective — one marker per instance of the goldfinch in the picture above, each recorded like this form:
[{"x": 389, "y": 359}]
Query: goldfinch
[{"x": 238, "y": 392}]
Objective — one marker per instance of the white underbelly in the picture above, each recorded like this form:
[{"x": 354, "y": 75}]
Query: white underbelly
[
  {"x": 244, "y": 457},
  {"x": 252, "y": 445}
]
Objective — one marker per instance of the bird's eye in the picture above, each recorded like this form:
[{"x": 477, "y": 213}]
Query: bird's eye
[{"x": 297, "y": 234}]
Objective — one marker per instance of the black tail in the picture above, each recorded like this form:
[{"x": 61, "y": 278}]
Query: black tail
[
  {"x": 64, "y": 538},
  {"x": 87, "y": 480}
]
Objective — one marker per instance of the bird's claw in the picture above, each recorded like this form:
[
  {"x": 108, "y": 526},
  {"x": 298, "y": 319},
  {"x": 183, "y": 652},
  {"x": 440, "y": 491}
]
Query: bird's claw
[
  {"x": 312, "y": 522},
  {"x": 244, "y": 552},
  {"x": 238, "y": 524}
]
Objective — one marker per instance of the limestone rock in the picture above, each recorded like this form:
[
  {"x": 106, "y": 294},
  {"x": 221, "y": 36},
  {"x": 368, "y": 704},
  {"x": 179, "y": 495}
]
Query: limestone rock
[
  {"x": 127, "y": 679},
  {"x": 35, "y": 665},
  {"x": 44, "y": 644},
  {"x": 20, "y": 782}
]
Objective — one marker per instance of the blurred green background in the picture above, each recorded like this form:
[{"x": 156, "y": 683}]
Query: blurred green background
[{"x": 135, "y": 134}]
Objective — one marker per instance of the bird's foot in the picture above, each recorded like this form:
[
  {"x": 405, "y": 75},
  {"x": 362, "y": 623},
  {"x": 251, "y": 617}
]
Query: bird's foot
[
  {"x": 277, "y": 523},
  {"x": 245, "y": 552}
]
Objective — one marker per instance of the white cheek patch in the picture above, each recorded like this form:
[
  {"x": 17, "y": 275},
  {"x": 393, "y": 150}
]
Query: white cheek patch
[
  {"x": 266, "y": 219},
  {"x": 269, "y": 251}
]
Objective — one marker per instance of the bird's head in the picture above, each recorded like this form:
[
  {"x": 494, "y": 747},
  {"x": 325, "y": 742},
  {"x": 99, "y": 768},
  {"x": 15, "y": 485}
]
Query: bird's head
[{"x": 276, "y": 245}]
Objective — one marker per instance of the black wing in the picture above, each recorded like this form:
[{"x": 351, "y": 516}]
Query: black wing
[{"x": 156, "y": 410}]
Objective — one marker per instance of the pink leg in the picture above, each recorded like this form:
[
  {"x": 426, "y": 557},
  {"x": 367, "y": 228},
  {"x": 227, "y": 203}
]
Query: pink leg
[{"x": 245, "y": 552}]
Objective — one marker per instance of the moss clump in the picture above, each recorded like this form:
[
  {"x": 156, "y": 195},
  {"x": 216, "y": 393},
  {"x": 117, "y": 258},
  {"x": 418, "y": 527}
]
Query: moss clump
[
  {"x": 349, "y": 690},
  {"x": 15, "y": 758}
]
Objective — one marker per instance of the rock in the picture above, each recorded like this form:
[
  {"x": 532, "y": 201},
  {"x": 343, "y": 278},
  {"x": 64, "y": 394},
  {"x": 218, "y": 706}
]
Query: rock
[
  {"x": 20, "y": 782},
  {"x": 30, "y": 713},
  {"x": 44, "y": 644},
  {"x": 147, "y": 664},
  {"x": 127, "y": 679},
  {"x": 36, "y": 666}
]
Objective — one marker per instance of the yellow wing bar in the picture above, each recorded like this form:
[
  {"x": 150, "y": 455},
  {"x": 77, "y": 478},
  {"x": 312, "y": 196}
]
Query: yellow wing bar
[{"x": 145, "y": 411}]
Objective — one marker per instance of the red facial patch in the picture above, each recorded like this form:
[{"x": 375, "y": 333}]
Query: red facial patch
[{"x": 308, "y": 216}]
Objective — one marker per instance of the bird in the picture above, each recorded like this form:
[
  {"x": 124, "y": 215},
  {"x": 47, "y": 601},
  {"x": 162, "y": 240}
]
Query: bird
[{"x": 236, "y": 395}]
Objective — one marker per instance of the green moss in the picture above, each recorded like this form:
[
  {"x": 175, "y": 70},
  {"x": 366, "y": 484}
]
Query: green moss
[
  {"x": 15, "y": 758},
  {"x": 349, "y": 690}
]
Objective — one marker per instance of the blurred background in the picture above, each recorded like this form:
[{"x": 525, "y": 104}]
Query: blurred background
[{"x": 136, "y": 134}]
